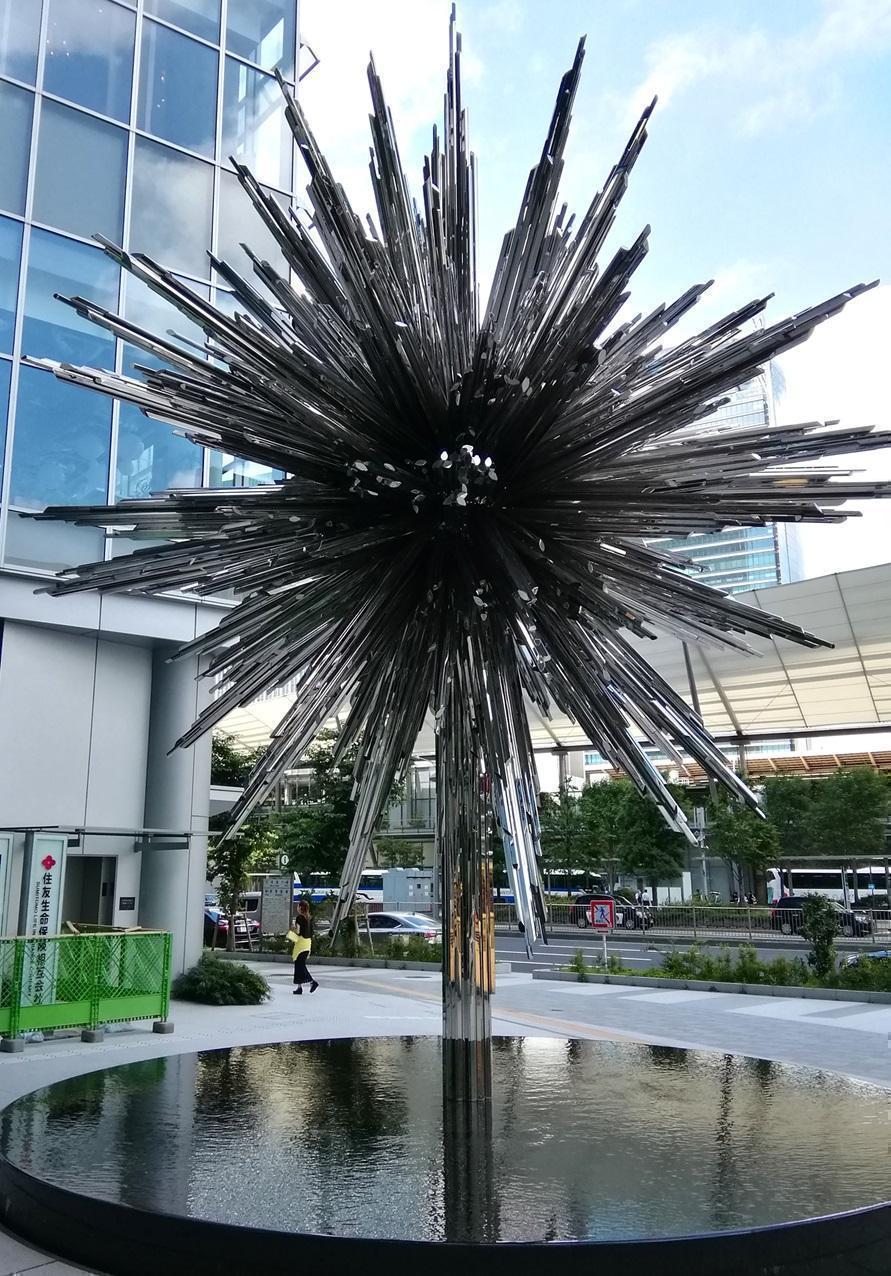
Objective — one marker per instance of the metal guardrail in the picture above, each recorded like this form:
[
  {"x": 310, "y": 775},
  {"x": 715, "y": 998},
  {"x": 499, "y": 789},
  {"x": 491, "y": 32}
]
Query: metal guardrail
[
  {"x": 713, "y": 921},
  {"x": 83, "y": 981}
]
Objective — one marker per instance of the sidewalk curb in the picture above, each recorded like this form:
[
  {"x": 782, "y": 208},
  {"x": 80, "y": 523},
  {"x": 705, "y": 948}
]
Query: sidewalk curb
[{"x": 706, "y": 985}]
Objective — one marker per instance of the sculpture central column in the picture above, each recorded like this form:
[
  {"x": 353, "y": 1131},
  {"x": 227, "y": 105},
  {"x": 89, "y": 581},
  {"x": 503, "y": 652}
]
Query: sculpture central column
[{"x": 468, "y": 955}]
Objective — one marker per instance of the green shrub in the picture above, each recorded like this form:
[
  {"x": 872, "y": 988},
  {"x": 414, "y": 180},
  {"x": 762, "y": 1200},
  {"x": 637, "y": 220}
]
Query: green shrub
[
  {"x": 867, "y": 975},
  {"x": 415, "y": 948},
  {"x": 819, "y": 925},
  {"x": 275, "y": 944},
  {"x": 578, "y": 966},
  {"x": 216, "y": 982},
  {"x": 790, "y": 972},
  {"x": 347, "y": 943},
  {"x": 745, "y": 968}
]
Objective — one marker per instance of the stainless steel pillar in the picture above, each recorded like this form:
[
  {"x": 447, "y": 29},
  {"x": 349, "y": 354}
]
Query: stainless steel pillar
[
  {"x": 468, "y": 954},
  {"x": 471, "y": 1205}
]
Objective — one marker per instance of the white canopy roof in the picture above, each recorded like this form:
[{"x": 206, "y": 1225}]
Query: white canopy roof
[{"x": 786, "y": 689}]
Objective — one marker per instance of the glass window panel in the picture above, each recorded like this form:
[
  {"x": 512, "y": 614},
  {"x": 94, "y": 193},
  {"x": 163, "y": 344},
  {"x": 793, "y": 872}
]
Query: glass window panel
[
  {"x": 89, "y": 55},
  {"x": 177, "y": 89},
  {"x": 10, "y": 260},
  {"x": 16, "y": 107},
  {"x": 226, "y": 470},
  {"x": 151, "y": 458},
  {"x": 263, "y": 31},
  {"x": 225, "y": 300},
  {"x": 172, "y": 199},
  {"x": 254, "y": 127},
  {"x": 62, "y": 443},
  {"x": 155, "y": 315},
  {"x": 201, "y": 17},
  {"x": 53, "y": 330},
  {"x": 19, "y": 34},
  {"x": 5, "y": 374},
  {"x": 81, "y": 163},
  {"x": 240, "y": 223},
  {"x": 50, "y": 547}
]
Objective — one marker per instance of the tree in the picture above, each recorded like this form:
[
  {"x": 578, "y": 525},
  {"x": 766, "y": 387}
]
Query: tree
[
  {"x": 744, "y": 840},
  {"x": 819, "y": 926},
  {"x": 398, "y": 852},
  {"x": 252, "y": 850},
  {"x": 849, "y": 813},
  {"x": 649, "y": 848},
  {"x": 602, "y": 808},
  {"x": 788, "y": 806},
  {"x": 230, "y": 762},
  {"x": 564, "y": 837},
  {"x": 315, "y": 832}
]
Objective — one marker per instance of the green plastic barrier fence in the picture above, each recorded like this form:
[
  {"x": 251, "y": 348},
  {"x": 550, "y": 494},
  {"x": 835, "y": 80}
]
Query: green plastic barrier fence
[{"x": 83, "y": 981}]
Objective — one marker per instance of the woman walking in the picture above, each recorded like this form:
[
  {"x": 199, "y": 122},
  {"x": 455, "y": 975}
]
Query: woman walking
[{"x": 301, "y": 946}]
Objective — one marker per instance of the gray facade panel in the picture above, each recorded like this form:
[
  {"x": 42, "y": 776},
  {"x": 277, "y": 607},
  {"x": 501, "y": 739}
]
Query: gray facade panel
[
  {"x": 46, "y": 703},
  {"x": 119, "y": 740}
]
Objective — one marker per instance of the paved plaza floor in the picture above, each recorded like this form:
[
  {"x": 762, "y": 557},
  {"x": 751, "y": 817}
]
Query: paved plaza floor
[{"x": 852, "y": 1038}]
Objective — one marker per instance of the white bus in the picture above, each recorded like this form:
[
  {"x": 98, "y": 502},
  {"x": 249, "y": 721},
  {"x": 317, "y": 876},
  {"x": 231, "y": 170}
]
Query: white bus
[{"x": 835, "y": 881}]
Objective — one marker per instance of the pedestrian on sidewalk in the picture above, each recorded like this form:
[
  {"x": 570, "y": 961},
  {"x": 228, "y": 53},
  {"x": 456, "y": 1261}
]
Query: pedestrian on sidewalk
[{"x": 300, "y": 937}]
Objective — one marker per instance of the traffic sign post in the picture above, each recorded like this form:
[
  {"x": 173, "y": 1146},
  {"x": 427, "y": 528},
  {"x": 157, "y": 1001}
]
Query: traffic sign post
[{"x": 602, "y": 916}]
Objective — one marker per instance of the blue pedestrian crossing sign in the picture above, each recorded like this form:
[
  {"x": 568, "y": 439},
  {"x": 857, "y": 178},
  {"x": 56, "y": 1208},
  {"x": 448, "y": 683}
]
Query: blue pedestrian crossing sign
[{"x": 602, "y": 914}]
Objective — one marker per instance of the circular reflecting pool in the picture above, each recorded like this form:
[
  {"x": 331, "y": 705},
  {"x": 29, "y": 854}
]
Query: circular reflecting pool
[{"x": 589, "y": 1140}]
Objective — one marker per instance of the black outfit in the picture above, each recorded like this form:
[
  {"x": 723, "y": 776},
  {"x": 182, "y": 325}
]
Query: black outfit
[{"x": 303, "y": 927}]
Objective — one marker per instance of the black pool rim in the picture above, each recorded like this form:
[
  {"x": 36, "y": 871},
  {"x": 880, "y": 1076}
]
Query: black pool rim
[
  {"x": 120, "y": 1240},
  {"x": 123, "y": 1240}
]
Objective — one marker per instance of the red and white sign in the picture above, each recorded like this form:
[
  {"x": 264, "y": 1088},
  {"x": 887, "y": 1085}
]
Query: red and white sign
[
  {"x": 45, "y": 868},
  {"x": 45, "y": 885},
  {"x": 602, "y": 914}
]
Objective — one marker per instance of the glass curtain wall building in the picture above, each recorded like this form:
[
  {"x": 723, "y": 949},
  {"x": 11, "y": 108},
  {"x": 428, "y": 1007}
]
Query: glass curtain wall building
[
  {"x": 119, "y": 117},
  {"x": 738, "y": 559}
]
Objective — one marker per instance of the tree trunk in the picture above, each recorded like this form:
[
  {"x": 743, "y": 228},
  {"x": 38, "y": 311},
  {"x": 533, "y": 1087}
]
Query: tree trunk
[{"x": 760, "y": 886}]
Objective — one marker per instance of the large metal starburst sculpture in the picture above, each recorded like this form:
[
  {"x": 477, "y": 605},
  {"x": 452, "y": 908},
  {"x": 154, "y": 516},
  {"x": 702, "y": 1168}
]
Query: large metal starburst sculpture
[{"x": 463, "y": 526}]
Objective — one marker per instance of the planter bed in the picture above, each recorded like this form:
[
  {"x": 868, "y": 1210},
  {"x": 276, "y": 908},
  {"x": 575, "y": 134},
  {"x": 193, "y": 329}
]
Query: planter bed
[{"x": 714, "y": 985}]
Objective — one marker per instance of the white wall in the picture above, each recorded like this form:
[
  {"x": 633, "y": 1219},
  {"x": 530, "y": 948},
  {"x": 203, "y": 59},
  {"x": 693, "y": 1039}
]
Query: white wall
[{"x": 77, "y": 748}]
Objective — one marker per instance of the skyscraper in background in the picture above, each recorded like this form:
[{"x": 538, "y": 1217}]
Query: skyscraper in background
[
  {"x": 118, "y": 117},
  {"x": 738, "y": 559}
]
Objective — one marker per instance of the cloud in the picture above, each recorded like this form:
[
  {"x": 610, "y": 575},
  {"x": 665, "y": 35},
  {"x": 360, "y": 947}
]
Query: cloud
[
  {"x": 408, "y": 40},
  {"x": 840, "y": 373},
  {"x": 502, "y": 15},
  {"x": 777, "y": 80}
]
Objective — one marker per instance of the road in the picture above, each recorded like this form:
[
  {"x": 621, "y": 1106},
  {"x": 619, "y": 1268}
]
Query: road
[{"x": 636, "y": 953}]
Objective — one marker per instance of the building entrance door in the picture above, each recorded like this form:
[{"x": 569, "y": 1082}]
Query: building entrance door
[{"x": 89, "y": 889}]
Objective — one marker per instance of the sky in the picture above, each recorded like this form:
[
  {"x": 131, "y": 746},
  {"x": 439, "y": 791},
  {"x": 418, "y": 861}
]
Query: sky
[{"x": 768, "y": 166}]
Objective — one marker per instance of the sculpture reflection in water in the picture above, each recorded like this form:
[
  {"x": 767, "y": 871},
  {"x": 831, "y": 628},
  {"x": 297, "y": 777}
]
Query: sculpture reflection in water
[
  {"x": 463, "y": 529},
  {"x": 589, "y": 1140}
]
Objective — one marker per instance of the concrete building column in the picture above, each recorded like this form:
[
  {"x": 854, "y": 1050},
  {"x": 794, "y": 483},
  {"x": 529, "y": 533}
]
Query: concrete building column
[{"x": 177, "y": 797}]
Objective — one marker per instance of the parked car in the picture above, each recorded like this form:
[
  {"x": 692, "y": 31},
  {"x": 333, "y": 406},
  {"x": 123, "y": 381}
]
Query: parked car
[
  {"x": 404, "y": 926},
  {"x": 628, "y": 915},
  {"x": 216, "y": 919},
  {"x": 876, "y": 954},
  {"x": 786, "y": 915}
]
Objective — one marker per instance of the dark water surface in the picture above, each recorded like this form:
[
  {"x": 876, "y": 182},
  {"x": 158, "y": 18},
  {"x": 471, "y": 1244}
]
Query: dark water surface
[{"x": 589, "y": 1140}]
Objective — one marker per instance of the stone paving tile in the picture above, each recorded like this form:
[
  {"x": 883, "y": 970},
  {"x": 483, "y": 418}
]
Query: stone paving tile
[{"x": 16, "y": 1256}]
